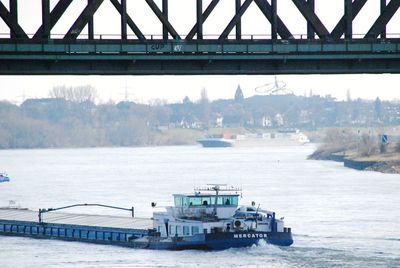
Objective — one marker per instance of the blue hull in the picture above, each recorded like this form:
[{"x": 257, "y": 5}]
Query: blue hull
[
  {"x": 4, "y": 179},
  {"x": 140, "y": 238},
  {"x": 222, "y": 241},
  {"x": 215, "y": 142}
]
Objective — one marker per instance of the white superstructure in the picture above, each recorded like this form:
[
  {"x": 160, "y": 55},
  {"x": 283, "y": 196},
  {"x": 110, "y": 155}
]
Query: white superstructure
[{"x": 208, "y": 212}]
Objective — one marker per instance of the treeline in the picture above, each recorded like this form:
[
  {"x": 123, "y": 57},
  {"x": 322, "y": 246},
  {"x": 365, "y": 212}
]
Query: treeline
[
  {"x": 45, "y": 123},
  {"x": 70, "y": 118}
]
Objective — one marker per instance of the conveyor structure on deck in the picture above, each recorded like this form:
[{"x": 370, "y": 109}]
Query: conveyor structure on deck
[
  {"x": 101, "y": 229},
  {"x": 77, "y": 219}
]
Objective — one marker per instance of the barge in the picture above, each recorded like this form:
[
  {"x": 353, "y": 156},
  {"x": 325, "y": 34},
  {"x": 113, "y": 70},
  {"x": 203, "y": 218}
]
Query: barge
[
  {"x": 209, "y": 219},
  {"x": 215, "y": 142}
]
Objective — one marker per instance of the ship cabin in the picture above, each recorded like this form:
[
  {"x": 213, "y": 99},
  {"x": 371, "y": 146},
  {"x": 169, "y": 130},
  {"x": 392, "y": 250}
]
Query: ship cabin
[
  {"x": 221, "y": 206},
  {"x": 205, "y": 200},
  {"x": 196, "y": 213}
]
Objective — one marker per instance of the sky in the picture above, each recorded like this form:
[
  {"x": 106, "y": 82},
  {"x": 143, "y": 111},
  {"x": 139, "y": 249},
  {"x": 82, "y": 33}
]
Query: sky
[{"x": 146, "y": 89}]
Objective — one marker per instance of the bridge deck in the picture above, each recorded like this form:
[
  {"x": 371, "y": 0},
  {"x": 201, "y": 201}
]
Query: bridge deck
[{"x": 113, "y": 57}]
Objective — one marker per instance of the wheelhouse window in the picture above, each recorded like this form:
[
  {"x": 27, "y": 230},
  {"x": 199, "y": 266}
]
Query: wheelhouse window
[
  {"x": 231, "y": 200},
  {"x": 178, "y": 201},
  {"x": 186, "y": 230},
  {"x": 195, "y": 230},
  {"x": 181, "y": 201},
  {"x": 224, "y": 200}
]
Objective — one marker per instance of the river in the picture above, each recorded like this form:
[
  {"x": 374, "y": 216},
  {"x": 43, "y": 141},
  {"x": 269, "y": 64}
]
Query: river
[{"x": 340, "y": 217}]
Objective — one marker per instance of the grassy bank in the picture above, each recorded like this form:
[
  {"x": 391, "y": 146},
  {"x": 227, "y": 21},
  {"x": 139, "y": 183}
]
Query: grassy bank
[{"x": 360, "y": 150}]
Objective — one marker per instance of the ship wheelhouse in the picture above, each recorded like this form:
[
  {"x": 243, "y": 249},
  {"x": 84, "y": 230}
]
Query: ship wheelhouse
[
  {"x": 198, "y": 212},
  {"x": 206, "y": 200}
]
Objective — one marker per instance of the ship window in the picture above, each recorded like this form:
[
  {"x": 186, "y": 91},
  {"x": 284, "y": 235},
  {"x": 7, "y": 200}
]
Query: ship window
[
  {"x": 178, "y": 201},
  {"x": 195, "y": 230},
  {"x": 219, "y": 200},
  {"x": 186, "y": 230},
  {"x": 205, "y": 201},
  {"x": 234, "y": 200},
  {"x": 185, "y": 201},
  {"x": 195, "y": 201},
  {"x": 210, "y": 200},
  {"x": 178, "y": 230}
]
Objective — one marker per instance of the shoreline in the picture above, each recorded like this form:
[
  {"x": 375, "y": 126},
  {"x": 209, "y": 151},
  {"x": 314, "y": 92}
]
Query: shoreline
[{"x": 371, "y": 163}]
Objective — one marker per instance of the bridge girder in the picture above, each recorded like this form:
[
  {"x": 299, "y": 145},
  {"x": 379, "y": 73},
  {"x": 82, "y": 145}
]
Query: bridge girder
[
  {"x": 278, "y": 27},
  {"x": 322, "y": 51},
  {"x": 206, "y": 57}
]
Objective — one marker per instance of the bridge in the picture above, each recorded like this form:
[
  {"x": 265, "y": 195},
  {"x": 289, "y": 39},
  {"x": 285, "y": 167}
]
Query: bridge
[{"x": 278, "y": 51}]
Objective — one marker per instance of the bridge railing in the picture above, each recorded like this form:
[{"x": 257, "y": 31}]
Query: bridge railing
[{"x": 208, "y": 37}]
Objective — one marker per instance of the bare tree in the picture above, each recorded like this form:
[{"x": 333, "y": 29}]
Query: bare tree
[{"x": 77, "y": 94}]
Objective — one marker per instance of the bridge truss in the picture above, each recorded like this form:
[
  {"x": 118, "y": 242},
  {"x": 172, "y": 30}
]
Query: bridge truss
[{"x": 280, "y": 52}]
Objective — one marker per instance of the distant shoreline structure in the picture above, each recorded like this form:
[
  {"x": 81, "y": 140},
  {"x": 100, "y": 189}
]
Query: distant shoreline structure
[{"x": 286, "y": 137}]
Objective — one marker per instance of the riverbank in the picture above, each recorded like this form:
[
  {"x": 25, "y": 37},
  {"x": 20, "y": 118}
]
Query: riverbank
[{"x": 385, "y": 162}]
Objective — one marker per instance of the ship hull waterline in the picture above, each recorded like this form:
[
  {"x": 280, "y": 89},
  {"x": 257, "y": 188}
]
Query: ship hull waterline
[{"x": 143, "y": 239}]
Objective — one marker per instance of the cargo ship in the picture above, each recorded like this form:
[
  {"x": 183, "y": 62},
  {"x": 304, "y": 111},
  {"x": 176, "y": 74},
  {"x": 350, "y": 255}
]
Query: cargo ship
[
  {"x": 208, "y": 219},
  {"x": 283, "y": 137},
  {"x": 215, "y": 142}
]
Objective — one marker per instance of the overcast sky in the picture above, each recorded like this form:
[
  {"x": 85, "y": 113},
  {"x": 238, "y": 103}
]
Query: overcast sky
[{"x": 182, "y": 16}]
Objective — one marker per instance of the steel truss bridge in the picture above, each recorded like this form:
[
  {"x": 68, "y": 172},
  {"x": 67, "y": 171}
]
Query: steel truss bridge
[{"x": 280, "y": 52}]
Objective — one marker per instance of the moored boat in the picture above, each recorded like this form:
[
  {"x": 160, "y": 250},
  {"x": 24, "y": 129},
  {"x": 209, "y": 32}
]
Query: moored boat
[{"x": 4, "y": 177}]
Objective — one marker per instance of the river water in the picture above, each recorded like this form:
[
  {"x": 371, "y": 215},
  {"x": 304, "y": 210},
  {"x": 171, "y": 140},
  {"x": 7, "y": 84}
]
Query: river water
[{"x": 340, "y": 217}]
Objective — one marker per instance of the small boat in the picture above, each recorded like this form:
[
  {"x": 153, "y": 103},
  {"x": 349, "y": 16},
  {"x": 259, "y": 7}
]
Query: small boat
[
  {"x": 214, "y": 141},
  {"x": 4, "y": 177}
]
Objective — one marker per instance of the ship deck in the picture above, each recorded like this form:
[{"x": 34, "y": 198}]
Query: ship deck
[{"x": 25, "y": 215}]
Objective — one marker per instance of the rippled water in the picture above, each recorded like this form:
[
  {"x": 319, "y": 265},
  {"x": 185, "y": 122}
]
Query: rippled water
[{"x": 340, "y": 217}]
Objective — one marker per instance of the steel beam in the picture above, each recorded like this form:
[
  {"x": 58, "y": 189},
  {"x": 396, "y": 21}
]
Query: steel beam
[
  {"x": 90, "y": 24},
  {"x": 46, "y": 19},
  {"x": 312, "y": 18},
  {"x": 235, "y": 20},
  {"x": 381, "y": 22},
  {"x": 165, "y": 13},
  {"x": 16, "y": 32},
  {"x": 163, "y": 19},
  {"x": 55, "y": 15},
  {"x": 129, "y": 20},
  {"x": 310, "y": 30},
  {"x": 84, "y": 18},
  {"x": 206, "y": 57},
  {"x": 274, "y": 20},
  {"x": 238, "y": 25},
  {"x": 203, "y": 18},
  {"x": 199, "y": 67},
  {"x": 199, "y": 19},
  {"x": 124, "y": 32},
  {"x": 340, "y": 27},
  {"x": 383, "y": 6},
  {"x": 348, "y": 13},
  {"x": 14, "y": 14},
  {"x": 266, "y": 9}
]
